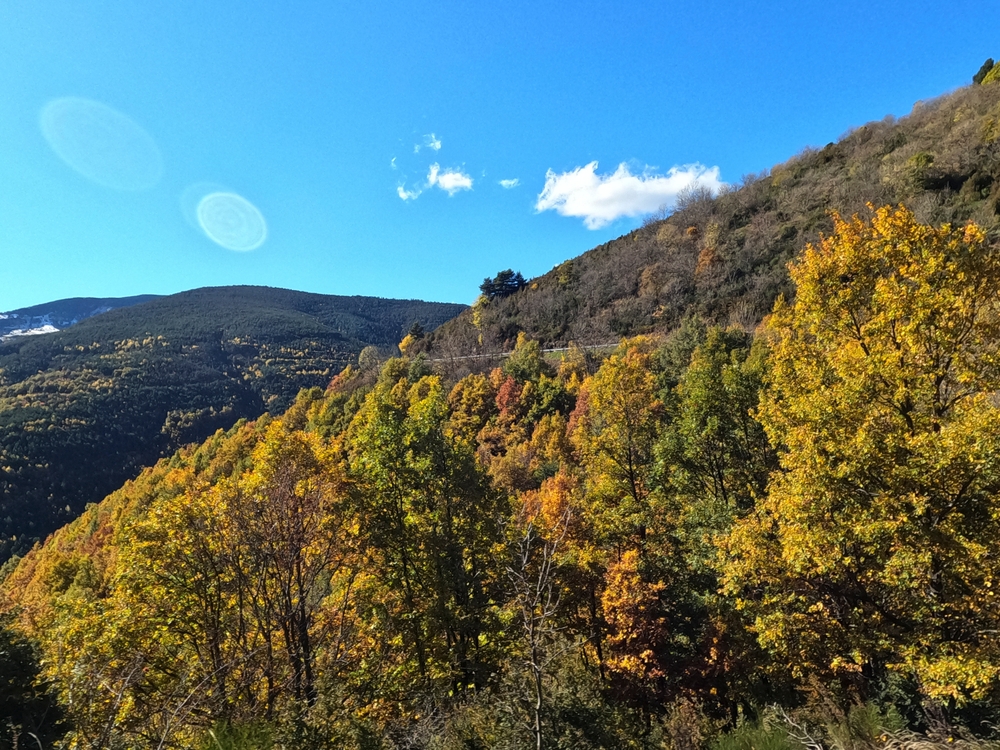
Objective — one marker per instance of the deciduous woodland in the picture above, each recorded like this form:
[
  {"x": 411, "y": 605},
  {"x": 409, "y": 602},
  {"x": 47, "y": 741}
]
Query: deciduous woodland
[{"x": 716, "y": 538}]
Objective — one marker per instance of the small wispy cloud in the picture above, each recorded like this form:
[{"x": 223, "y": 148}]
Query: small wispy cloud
[
  {"x": 601, "y": 199},
  {"x": 449, "y": 180},
  {"x": 408, "y": 195},
  {"x": 508, "y": 184},
  {"x": 392, "y": 164},
  {"x": 431, "y": 141}
]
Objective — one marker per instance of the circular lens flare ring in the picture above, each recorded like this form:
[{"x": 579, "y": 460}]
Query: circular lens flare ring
[{"x": 233, "y": 222}]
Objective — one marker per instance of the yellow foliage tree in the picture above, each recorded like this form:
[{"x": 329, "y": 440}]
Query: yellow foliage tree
[
  {"x": 875, "y": 547},
  {"x": 615, "y": 427}
]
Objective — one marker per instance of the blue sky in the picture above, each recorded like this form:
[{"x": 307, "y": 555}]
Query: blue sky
[{"x": 359, "y": 148}]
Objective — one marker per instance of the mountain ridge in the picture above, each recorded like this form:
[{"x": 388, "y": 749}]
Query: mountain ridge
[
  {"x": 724, "y": 258},
  {"x": 84, "y": 409},
  {"x": 62, "y": 313}
]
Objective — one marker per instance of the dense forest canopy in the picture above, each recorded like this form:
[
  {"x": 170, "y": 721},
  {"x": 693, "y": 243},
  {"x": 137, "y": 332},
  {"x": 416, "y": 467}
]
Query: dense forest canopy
[{"x": 644, "y": 551}]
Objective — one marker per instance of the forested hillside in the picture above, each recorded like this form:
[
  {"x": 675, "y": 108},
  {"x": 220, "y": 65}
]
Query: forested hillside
[
  {"x": 84, "y": 409},
  {"x": 724, "y": 259},
  {"x": 714, "y": 539}
]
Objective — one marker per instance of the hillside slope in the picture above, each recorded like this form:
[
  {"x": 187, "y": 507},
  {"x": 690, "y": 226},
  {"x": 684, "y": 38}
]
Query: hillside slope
[
  {"x": 725, "y": 258},
  {"x": 82, "y": 410},
  {"x": 63, "y": 313},
  {"x": 706, "y": 519}
]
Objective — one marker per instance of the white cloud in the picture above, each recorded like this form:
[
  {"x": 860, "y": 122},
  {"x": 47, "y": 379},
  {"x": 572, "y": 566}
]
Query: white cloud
[
  {"x": 431, "y": 141},
  {"x": 408, "y": 195},
  {"x": 508, "y": 184},
  {"x": 449, "y": 180},
  {"x": 392, "y": 164},
  {"x": 600, "y": 199}
]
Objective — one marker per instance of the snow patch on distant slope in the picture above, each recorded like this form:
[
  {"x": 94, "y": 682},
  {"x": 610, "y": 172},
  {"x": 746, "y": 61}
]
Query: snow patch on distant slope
[{"x": 47, "y": 328}]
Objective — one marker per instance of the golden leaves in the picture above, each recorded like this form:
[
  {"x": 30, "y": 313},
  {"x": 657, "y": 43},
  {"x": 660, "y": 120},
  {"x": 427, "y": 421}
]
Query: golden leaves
[{"x": 882, "y": 374}]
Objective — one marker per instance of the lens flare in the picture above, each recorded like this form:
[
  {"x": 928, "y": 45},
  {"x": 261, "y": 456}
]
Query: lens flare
[
  {"x": 101, "y": 143},
  {"x": 232, "y": 221},
  {"x": 191, "y": 196}
]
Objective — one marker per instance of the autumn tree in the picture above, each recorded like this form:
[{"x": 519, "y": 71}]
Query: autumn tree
[
  {"x": 613, "y": 429},
  {"x": 228, "y": 599},
  {"x": 714, "y": 461},
  {"x": 875, "y": 546},
  {"x": 430, "y": 524},
  {"x": 615, "y": 426},
  {"x": 533, "y": 580},
  {"x": 646, "y": 620},
  {"x": 287, "y": 522}
]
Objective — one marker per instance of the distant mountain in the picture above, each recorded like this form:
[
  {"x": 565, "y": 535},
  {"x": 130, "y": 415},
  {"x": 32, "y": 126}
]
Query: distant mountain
[
  {"x": 84, "y": 409},
  {"x": 724, "y": 258},
  {"x": 63, "y": 313}
]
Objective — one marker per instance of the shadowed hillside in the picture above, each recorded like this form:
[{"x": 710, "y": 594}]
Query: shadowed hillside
[{"x": 84, "y": 409}]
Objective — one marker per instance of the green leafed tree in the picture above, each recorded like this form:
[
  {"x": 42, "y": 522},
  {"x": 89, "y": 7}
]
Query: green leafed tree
[
  {"x": 504, "y": 284},
  {"x": 430, "y": 524},
  {"x": 983, "y": 71}
]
